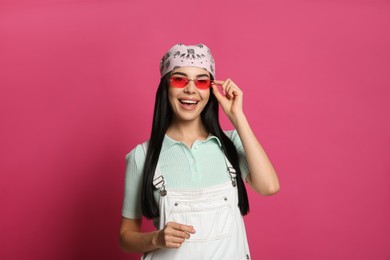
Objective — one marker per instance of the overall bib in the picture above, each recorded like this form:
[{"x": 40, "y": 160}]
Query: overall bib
[{"x": 215, "y": 216}]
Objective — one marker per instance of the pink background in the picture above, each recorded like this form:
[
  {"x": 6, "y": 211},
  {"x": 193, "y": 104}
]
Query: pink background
[{"x": 78, "y": 80}]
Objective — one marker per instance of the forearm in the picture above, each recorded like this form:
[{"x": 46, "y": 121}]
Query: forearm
[
  {"x": 262, "y": 177},
  {"x": 137, "y": 242}
]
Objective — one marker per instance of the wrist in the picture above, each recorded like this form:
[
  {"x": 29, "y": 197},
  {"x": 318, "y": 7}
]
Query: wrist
[
  {"x": 238, "y": 119},
  {"x": 155, "y": 239}
]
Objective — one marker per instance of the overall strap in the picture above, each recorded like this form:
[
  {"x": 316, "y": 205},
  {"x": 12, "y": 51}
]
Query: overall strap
[
  {"x": 158, "y": 179},
  {"x": 231, "y": 171}
]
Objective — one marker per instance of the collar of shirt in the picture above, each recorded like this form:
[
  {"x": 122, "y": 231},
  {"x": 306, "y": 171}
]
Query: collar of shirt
[{"x": 169, "y": 142}]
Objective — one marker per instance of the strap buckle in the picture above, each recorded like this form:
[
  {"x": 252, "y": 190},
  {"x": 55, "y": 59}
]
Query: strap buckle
[
  {"x": 233, "y": 175},
  {"x": 159, "y": 183}
]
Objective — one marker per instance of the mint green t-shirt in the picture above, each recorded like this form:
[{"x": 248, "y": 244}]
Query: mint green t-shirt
[{"x": 201, "y": 166}]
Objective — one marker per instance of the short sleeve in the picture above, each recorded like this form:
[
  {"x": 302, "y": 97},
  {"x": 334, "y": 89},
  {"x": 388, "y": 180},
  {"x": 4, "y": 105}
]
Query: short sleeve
[
  {"x": 235, "y": 138},
  {"x": 133, "y": 180}
]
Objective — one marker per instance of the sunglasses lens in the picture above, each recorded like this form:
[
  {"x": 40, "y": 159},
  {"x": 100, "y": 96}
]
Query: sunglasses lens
[
  {"x": 202, "y": 83},
  {"x": 179, "y": 82}
]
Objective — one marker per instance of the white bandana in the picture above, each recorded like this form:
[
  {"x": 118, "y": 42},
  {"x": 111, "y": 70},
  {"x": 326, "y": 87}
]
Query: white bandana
[{"x": 181, "y": 55}]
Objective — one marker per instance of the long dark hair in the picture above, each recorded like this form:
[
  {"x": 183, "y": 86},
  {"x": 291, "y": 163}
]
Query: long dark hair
[{"x": 161, "y": 120}]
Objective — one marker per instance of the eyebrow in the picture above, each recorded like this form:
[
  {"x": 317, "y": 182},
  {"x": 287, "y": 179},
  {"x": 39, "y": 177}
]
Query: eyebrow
[{"x": 183, "y": 74}]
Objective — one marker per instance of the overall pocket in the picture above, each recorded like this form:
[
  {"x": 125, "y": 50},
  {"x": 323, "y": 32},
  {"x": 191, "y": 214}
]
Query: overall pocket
[{"x": 212, "y": 219}]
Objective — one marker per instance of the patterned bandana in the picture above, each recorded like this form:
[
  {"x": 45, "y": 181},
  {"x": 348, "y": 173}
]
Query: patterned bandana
[{"x": 181, "y": 55}]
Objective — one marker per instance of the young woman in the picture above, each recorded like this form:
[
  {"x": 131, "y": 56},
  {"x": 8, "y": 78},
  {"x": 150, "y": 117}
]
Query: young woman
[{"x": 189, "y": 176}]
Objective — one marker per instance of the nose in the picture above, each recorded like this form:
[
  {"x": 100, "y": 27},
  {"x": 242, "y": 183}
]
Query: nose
[{"x": 190, "y": 88}]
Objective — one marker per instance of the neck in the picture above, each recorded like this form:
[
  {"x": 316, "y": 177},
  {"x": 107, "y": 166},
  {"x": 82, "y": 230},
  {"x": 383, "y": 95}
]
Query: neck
[{"x": 187, "y": 131}]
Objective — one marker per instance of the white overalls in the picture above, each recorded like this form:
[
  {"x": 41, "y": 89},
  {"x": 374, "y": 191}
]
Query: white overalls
[{"x": 214, "y": 214}]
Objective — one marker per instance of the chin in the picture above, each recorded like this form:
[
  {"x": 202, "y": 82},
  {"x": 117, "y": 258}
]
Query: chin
[{"x": 187, "y": 118}]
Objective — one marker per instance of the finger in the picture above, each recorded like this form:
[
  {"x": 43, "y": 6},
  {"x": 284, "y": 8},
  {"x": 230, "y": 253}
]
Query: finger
[
  {"x": 218, "y": 82},
  {"x": 178, "y": 234},
  {"x": 233, "y": 90},
  {"x": 168, "y": 237},
  {"x": 181, "y": 227},
  {"x": 222, "y": 83},
  {"x": 173, "y": 245},
  {"x": 228, "y": 89},
  {"x": 229, "y": 86},
  {"x": 173, "y": 237},
  {"x": 225, "y": 84},
  {"x": 176, "y": 239},
  {"x": 217, "y": 94}
]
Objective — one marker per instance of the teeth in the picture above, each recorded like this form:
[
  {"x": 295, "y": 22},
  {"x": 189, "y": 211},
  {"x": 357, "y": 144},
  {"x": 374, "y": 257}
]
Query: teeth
[{"x": 189, "y": 101}]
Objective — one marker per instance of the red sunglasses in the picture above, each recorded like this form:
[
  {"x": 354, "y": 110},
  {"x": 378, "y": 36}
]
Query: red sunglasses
[{"x": 181, "y": 82}]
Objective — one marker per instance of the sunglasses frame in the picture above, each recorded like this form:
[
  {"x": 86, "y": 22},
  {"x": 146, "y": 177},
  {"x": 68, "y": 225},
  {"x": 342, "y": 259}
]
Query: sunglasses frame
[{"x": 187, "y": 80}]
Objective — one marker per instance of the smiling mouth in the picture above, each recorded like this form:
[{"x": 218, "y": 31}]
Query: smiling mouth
[{"x": 188, "y": 102}]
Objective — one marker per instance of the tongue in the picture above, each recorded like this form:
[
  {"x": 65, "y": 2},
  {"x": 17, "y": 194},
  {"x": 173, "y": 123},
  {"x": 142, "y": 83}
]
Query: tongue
[{"x": 188, "y": 105}]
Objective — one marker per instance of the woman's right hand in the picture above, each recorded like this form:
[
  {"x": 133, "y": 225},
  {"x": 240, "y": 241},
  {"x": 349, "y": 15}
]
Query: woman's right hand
[{"x": 173, "y": 235}]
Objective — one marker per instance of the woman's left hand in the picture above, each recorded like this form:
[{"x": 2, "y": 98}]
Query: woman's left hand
[
  {"x": 262, "y": 177},
  {"x": 231, "y": 102}
]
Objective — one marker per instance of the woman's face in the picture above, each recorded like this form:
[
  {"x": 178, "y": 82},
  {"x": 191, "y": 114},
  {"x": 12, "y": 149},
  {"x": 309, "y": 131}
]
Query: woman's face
[{"x": 188, "y": 102}]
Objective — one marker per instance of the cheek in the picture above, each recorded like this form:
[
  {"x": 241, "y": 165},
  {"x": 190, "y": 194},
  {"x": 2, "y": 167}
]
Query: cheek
[
  {"x": 206, "y": 95},
  {"x": 171, "y": 96},
  {"x": 171, "y": 102}
]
